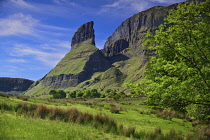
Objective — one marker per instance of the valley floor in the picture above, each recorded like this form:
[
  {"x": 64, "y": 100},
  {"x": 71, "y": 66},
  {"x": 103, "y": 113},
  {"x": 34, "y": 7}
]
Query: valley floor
[{"x": 129, "y": 119}]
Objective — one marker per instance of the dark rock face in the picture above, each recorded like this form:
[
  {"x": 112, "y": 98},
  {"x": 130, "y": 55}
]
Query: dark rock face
[
  {"x": 64, "y": 81},
  {"x": 97, "y": 63},
  {"x": 84, "y": 33},
  {"x": 132, "y": 31},
  {"x": 14, "y": 84},
  {"x": 116, "y": 47}
]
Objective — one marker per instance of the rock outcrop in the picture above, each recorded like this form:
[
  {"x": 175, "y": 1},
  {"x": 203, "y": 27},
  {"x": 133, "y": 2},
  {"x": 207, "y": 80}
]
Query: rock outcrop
[
  {"x": 131, "y": 32},
  {"x": 85, "y": 32},
  {"x": 14, "y": 84}
]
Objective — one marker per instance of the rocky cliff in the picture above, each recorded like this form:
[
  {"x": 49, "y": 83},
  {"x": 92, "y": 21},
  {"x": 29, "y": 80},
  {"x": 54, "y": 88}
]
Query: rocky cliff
[
  {"x": 78, "y": 65},
  {"x": 132, "y": 31},
  {"x": 85, "y": 32},
  {"x": 14, "y": 85}
]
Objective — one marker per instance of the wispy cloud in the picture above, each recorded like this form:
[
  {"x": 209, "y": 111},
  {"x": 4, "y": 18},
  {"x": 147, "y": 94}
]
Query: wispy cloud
[
  {"x": 60, "y": 8},
  {"x": 127, "y": 7},
  {"x": 124, "y": 6},
  {"x": 21, "y": 24},
  {"x": 64, "y": 2},
  {"x": 167, "y": 1},
  {"x": 18, "y": 24},
  {"x": 22, "y": 4},
  {"x": 16, "y": 60},
  {"x": 39, "y": 53}
]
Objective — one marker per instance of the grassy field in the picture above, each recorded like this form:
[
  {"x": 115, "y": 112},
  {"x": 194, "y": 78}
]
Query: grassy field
[{"x": 108, "y": 119}]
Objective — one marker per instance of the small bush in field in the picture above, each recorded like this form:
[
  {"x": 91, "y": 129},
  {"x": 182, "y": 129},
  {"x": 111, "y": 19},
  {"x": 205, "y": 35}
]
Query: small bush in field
[
  {"x": 42, "y": 111},
  {"x": 166, "y": 114},
  {"x": 57, "y": 113},
  {"x": 115, "y": 109},
  {"x": 74, "y": 113}
]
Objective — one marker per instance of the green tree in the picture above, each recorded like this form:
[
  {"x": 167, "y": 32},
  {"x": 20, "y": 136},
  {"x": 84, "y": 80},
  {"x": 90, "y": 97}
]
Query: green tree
[
  {"x": 79, "y": 94},
  {"x": 178, "y": 76},
  {"x": 62, "y": 93},
  {"x": 72, "y": 94},
  {"x": 57, "y": 94},
  {"x": 87, "y": 94},
  {"x": 95, "y": 93},
  {"x": 52, "y": 92}
]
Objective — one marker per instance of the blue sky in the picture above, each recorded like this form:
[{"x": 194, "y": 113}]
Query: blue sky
[{"x": 36, "y": 34}]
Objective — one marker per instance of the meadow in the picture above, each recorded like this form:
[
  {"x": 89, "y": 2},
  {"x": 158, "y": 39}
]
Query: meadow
[{"x": 31, "y": 118}]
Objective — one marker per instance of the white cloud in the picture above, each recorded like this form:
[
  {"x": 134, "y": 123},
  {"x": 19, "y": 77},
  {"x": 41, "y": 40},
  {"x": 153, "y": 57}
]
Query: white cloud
[
  {"x": 39, "y": 54},
  {"x": 64, "y": 2},
  {"x": 124, "y": 6},
  {"x": 16, "y": 60},
  {"x": 22, "y": 4},
  {"x": 168, "y": 1},
  {"x": 127, "y": 7},
  {"x": 60, "y": 8},
  {"x": 20, "y": 24}
]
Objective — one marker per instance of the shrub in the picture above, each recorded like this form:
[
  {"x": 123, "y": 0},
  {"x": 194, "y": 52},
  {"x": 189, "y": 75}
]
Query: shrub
[
  {"x": 87, "y": 94},
  {"x": 72, "y": 94},
  {"x": 95, "y": 93},
  {"x": 57, "y": 94},
  {"x": 74, "y": 113},
  {"x": 115, "y": 109},
  {"x": 79, "y": 94},
  {"x": 42, "y": 111}
]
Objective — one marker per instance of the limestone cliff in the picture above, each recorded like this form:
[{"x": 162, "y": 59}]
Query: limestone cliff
[{"x": 14, "y": 85}]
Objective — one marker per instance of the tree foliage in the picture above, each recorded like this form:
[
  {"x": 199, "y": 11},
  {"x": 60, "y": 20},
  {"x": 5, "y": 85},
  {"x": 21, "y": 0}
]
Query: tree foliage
[
  {"x": 57, "y": 94},
  {"x": 178, "y": 76}
]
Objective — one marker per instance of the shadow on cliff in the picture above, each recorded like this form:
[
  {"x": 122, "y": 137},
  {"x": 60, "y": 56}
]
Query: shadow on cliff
[{"x": 117, "y": 58}]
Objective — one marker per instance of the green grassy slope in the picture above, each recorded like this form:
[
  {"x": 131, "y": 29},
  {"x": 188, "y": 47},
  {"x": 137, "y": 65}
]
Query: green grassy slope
[{"x": 75, "y": 60}]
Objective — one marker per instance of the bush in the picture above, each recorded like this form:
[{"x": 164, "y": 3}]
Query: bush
[
  {"x": 79, "y": 94},
  {"x": 115, "y": 109},
  {"x": 57, "y": 94},
  {"x": 72, "y": 94}
]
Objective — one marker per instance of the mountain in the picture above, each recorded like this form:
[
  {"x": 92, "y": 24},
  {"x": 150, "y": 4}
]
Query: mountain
[
  {"x": 123, "y": 58},
  {"x": 78, "y": 65},
  {"x": 14, "y": 85}
]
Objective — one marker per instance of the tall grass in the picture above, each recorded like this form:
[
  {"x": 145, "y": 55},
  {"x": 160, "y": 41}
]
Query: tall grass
[{"x": 99, "y": 121}]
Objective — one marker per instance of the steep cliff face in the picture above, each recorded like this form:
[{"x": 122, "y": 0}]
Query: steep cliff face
[
  {"x": 14, "y": 84},
  {"x": 85, "y": 32},
  {"x": 131, "y": 32}
]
